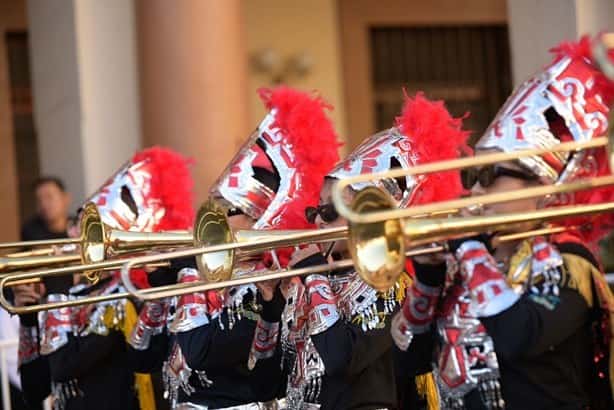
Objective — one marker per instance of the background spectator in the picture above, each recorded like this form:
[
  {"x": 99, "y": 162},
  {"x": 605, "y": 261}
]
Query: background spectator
[{"x": 52, "y": 203}]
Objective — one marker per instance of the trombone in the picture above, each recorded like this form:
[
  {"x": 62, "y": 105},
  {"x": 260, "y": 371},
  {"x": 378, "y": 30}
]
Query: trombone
[
  {"x": 50, "y": 250},
  {"x": 96, "y": 243},
  {"x": 263, "y": 276},
  {"x": 187, "y": 288},
  {"x": 213, "y": 233},
  {"x": 12, "y": 263},
  {"x": 381, "y": 231},
  {"x": 39, "y": 257},
  {"x": 378, "y": 250}
]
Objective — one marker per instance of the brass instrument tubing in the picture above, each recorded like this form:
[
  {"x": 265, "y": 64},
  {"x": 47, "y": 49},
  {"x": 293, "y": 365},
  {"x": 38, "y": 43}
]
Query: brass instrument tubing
[
  {"x": 344, "y": 210},
  {"x": 46, "y": 242}
]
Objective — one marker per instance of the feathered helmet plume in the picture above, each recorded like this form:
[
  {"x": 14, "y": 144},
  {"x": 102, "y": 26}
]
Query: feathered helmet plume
[
  {"x": 425, "y": 132},
  {"x": 280, "y": 170}
]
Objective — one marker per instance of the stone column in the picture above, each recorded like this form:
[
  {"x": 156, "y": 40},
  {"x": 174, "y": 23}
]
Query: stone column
[{"x": 193, "y": 72}]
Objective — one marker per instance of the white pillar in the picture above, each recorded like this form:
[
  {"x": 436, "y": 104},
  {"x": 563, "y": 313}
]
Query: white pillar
[
  {"x": 594, "y": 16},
  {"x": 535, "y": 26},
  {"x": 86, "y": 104}
]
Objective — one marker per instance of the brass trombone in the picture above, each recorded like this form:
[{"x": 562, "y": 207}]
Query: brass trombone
[
  {"x": 212, "y": 232},
  {"x": 371, "y": 245},
  {"x": 380, "y": 231},
  {"x": 50, "y": 250},
  {"x": 39, "y": 257},
  {"x": 96, "y": 243},
  {"x": 20, "y": 263},
  {"x": 211, "y": 228},
  {"x": 44, "y": 242},
  {"x": 187, "y": 288}
]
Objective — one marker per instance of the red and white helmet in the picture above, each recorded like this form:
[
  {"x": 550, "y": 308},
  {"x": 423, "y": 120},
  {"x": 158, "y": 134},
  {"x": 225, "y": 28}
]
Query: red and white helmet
[
  {"x": 425, "y": 132},
  {"x": 293, "y": 148},
  {"x": 569, "y": 100},
  {"x": 151, "y": 192}
]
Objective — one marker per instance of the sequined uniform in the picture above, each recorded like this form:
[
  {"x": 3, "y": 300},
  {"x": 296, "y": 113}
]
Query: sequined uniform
[
  {"x": 339, "y": 355},
  {"x": 221, "y": 348},
  {"x": 82, "y": 366},
  {"x": 83, "y": 351}
]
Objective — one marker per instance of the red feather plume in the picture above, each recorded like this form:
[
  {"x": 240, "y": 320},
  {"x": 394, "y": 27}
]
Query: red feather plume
[
  {"x": 172, "y": 183},
  {"x": 591, "y": 228},
  {"x": 435, "y": 136},
  {"x": 582, "y": 50},
  {"x": 302, "y": 120}
]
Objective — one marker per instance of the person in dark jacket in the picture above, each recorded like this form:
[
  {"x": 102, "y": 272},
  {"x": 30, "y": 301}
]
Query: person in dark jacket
[
  {"x": 335, "y": 327},
  {"x": 52, "y": 203},
  {"x": 525, "y": 324},
  {"x": 211, "y": 361},
  {"x": 79, "y": 355}
]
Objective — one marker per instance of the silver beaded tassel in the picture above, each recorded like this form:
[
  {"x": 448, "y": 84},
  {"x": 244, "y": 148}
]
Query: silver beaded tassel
[
  {"x": 62, "y": 392},
  {"x": 490, "y": 391}
]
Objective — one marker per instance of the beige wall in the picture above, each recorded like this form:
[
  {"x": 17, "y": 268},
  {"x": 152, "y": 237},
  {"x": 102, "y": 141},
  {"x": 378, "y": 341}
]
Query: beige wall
[
  {"x": 12, "y": 17},
  {"x": 193, "y": 76},
  {"x": 55, "y": 88},
  {"x": 538, "y": 25},
  {"x": 291, "y": 27},
  {"x": 594, "y": 16}
]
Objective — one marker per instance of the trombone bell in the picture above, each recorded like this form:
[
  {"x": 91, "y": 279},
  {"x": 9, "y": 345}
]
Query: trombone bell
[
  {"x": 98, "y": 242},
  {"x": 212, "y": 229},
  {"x": 378, "y": 249}
]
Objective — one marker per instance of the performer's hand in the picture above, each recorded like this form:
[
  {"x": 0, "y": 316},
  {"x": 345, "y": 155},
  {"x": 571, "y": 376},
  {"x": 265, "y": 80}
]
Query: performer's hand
[
  {"x": 267, "y": 289},
  {"x": 490, "y": 293},
  {"x": 27, "y": 294},
  {"x": 285, "y": 285}
]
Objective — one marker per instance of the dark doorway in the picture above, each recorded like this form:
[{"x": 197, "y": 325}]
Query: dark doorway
[
  {"x": 466, "y": 66},
  {"x": 26, "y": 144}
]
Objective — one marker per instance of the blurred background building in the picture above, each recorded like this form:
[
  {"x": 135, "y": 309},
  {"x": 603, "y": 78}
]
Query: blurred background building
[{"x": 85, "y": 83}]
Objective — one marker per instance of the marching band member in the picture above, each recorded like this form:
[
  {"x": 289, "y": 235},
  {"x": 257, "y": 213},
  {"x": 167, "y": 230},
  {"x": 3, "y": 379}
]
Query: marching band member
[
  {"x": 526, "y": 324},
  {"x": 276, "y": 174},
  {"x": 79, "y": 355},
  {"x": 335, "y": 328}
]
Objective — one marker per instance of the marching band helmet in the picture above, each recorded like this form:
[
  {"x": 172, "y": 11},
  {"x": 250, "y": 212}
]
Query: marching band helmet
[
  {"x": 280, "y": 169},
  {"x": 568, "y": 101},
  {"x": 151, "y": 192},
  {"x": 425, "y": 132}
]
